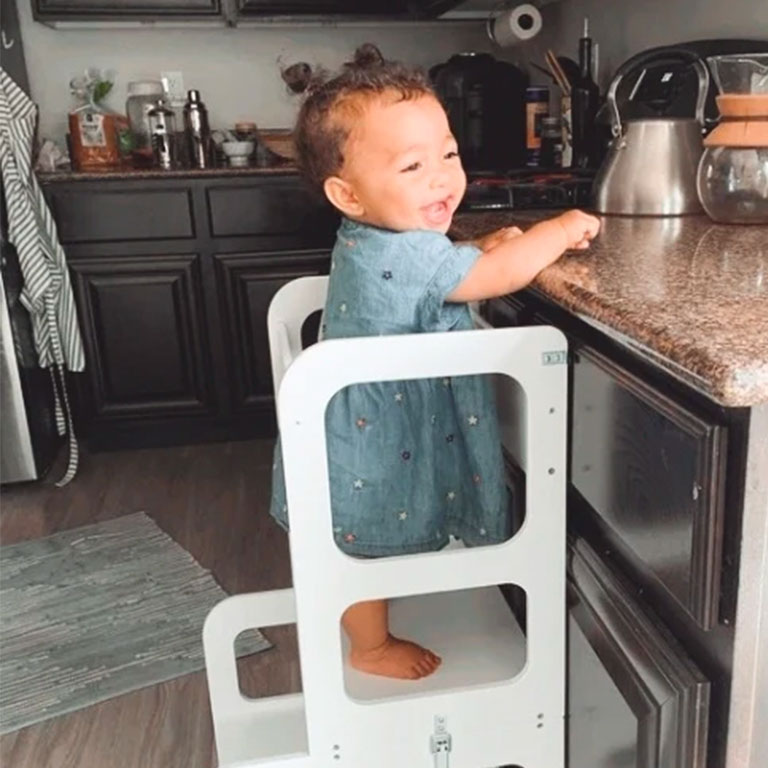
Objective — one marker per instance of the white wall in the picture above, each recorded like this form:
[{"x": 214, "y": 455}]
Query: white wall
[{"x": 236, "y": 70}]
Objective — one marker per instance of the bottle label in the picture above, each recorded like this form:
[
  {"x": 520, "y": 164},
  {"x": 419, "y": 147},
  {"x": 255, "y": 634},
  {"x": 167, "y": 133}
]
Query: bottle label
[
  {"x": 92, "y": 133},
  {"x": 535, "y": 112},
  {"x": 567, "y": 159}
]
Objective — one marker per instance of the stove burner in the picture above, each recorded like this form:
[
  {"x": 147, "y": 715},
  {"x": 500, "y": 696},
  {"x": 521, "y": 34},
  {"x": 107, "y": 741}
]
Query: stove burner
[{"x": 525, "y": 190}]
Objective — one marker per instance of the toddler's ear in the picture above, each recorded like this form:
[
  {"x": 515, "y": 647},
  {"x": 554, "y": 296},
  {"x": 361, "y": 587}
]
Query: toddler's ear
[{"x": 342, "y": 196}]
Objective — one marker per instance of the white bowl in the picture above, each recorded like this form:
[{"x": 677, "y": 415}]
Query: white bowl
[
  {"x": 237, "y": 148},
  {"x": 238, "y": 152}
]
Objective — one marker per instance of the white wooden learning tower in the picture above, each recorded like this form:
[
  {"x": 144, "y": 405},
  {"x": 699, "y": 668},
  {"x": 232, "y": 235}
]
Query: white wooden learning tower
[{"x": 499, "y": 697}]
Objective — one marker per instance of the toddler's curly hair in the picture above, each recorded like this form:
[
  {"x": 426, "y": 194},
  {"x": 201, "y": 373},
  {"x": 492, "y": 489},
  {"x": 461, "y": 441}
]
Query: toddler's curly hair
[{"x": 331, "y": 106}]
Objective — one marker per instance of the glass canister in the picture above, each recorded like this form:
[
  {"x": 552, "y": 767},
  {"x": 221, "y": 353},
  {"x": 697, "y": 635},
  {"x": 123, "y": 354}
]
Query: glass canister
[
  {"x": 732, "y": 180},
  {"x": 142, "y": 97}
]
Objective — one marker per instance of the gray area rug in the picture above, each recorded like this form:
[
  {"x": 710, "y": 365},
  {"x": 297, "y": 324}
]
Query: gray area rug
[{"x": 98, "y": 611}]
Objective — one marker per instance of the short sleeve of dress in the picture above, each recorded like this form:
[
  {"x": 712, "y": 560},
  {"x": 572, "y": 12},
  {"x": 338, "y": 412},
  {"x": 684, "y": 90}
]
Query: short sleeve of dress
[{"x": 445, "y": 265}]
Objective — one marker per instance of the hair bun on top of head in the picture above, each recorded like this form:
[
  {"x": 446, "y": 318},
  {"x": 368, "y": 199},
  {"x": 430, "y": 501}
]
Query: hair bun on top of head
[{"x": 367, "y": 56}]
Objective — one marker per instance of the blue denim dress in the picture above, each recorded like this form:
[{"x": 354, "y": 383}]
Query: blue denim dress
[{"x": 410, "y": 462}]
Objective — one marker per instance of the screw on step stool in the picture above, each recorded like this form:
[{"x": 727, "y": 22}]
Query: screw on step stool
[{"x": 551, "y": 470}]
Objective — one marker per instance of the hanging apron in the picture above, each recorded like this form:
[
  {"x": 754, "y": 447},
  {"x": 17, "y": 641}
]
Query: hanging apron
[{"x": 47, "y": 293}]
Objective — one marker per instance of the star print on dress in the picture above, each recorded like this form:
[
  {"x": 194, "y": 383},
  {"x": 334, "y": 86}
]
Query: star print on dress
[
  {"x": 402, "y": 514},
  {"x": 342, "y": 307},
  {"x": 358, "y": 484},
  {"x": 361, "y": 423},
  {"x": 446, "y": 382},
  {"x": 349, "y": 537},
  {"x": 406, "y": 455},
  {"x": 399, "y": 396},
  {"x": 433, "y": 418},
  {"x": 476, "y": 479},
  {"x": 449, "y": 438},
  {"x": 451, "y": 495},
  {"x": 472, "y": 420},
  {"x": 386, "y": 275}
]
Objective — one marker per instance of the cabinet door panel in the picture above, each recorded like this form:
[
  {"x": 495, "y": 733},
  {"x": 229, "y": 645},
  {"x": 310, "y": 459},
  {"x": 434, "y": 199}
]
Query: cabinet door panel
[
  {"x": 274, "y": 207},
  {"x": 61, "y": 9},
  {"x": 653, "y": 472},
  {"x": 247, "y": 282},
  {"x": 634, "y": 698},
  {"x": 143, "y": 327},
  {"x": 114, "y": 216},
  {"x": 416, "y": 8}
]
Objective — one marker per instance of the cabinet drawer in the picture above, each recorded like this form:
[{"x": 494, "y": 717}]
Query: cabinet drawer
[
  {"x": 634, "y": 697},
  {"x": 652, "y": 470},
  {"x": 271, "y": 208},
  {"x": 63, "y": 9},
  {"x": 103, "y": 215}
]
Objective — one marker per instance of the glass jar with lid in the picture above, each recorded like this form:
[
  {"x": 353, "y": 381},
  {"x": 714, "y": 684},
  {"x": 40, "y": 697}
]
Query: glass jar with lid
[{"x": 142, "y": 97}]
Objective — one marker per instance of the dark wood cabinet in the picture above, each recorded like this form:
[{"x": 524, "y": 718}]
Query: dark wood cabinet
[
  {"x": 635, "y": 698},
  {"x": 57, "y": 10},
  {"x": 230, "y": 11},
  {"x": 320, "y": 7},
  {"x": 173, "y": 279},
  {"x": 145, "y": 335},
  {"x": 653, "y": 471},
  {"x": 350, "y": 8},
  {"x": 246, "y": 283}
]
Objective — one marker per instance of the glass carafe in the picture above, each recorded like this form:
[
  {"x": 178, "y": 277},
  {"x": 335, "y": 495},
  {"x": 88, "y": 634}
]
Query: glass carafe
[{"x": 733, "y": 173}]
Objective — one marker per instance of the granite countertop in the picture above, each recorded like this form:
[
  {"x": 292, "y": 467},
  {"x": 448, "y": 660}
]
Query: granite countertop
[
  {"x": 687, "y": 293},
  {"x": 127, "y": 174}
]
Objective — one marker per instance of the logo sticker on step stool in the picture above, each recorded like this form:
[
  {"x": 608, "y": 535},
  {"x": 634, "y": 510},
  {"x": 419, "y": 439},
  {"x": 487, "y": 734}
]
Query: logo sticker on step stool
[{"x": 559, "y": 357}]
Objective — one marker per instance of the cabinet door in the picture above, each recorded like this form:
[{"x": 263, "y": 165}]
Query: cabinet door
[
  {"x": 402, "y": 8},
  {"x": 246, "y": 284},
  {"x": 144, "y": 333},
  {"x": 635, "y": 699},
  {"x": 105, "y": 9},
  {"x": 653, "y": 472}
]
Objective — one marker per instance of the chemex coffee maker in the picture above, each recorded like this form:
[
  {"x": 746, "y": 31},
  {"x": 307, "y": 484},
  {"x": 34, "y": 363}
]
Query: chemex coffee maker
[{"x": 732, "y": 180}]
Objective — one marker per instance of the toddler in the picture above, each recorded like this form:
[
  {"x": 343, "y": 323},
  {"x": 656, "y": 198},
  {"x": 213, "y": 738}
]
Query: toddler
[{"x": 410, "y": 463}]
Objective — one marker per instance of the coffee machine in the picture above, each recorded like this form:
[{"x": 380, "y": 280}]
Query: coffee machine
[{"x": 485, "y": 102}]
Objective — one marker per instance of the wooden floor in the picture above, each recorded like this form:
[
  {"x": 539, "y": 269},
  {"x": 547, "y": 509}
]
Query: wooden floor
[{"x": 212, "y": 499}]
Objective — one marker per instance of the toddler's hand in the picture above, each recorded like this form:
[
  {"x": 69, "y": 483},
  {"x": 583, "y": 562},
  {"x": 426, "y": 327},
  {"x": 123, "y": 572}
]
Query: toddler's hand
[
  {"x": 579, "y": 228},
  {"x": 493, "y": 239}
]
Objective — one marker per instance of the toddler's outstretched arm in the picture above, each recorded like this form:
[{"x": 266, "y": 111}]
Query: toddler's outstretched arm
[{"x": 513, "y": 263}]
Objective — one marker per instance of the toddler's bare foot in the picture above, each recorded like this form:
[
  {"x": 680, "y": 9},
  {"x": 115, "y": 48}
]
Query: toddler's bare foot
[{"x": 396, "y": 658}]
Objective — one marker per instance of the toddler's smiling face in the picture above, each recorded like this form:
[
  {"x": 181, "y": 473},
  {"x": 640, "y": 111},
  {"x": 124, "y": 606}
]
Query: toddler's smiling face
[{"x": 401, "y": 166}]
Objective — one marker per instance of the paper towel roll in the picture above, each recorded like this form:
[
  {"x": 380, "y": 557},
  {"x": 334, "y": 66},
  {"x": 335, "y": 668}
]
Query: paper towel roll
[{"x": 516, "y": 25}]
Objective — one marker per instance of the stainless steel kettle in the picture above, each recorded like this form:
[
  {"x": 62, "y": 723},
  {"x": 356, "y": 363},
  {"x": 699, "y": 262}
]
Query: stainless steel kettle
[{"x": 651, "y": 164}]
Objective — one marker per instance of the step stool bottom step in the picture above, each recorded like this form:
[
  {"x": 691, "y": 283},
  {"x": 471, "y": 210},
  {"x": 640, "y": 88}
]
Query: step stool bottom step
[{"x": 472, "y": 630}]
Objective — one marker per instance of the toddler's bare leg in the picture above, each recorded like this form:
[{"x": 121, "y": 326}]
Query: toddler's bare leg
[{"x": 375, "y": 651}]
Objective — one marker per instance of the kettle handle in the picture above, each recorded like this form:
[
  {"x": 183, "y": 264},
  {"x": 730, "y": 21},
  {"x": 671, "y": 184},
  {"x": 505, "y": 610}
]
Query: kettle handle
[{"x": 682, "y": 54}]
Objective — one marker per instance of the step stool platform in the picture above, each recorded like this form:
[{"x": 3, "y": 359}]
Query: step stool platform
[{"x": 472, "y": 630}]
